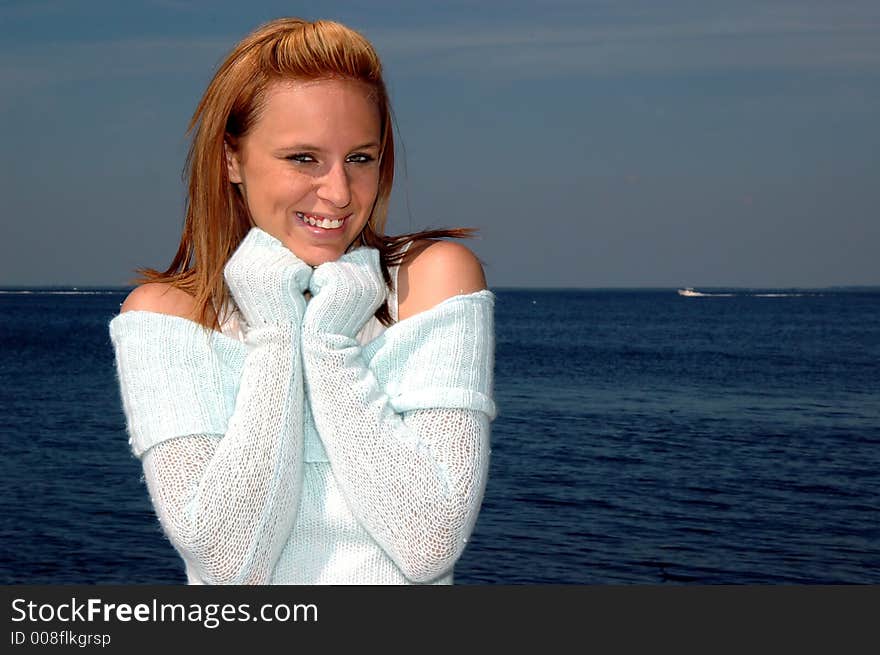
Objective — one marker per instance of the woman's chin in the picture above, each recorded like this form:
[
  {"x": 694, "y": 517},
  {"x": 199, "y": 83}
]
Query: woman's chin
[
  {"x": 317, "y": 256},
  {"x": 316, "y": 251}
]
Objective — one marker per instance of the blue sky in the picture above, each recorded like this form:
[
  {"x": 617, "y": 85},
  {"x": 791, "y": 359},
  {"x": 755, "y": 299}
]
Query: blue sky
[{"x": 595, "y": 144}]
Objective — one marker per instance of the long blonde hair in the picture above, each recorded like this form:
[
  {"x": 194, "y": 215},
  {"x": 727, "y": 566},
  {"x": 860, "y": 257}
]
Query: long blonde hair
[{"x": 217, "y": 217}]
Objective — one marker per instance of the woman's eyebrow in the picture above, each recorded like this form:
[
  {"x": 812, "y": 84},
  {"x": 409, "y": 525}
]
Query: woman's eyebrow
[
  {"x": 301, "y": 146},
  {"x": 312, "y": 148}
]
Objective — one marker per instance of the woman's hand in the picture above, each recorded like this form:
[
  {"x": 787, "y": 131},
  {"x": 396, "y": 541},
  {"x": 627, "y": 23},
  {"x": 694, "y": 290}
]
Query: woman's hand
[
  {"x": 346, "y": 293},
  {"x": 266, "y": 279}
]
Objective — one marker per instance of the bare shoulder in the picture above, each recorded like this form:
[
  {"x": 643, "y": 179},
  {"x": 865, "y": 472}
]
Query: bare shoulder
[
  {"x": 435, "y": 271},
  {"x": 161, "y": 298}
]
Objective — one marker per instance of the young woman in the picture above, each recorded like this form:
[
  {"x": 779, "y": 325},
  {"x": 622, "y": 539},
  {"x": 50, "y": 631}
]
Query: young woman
[{"x": 310, "y": 398}]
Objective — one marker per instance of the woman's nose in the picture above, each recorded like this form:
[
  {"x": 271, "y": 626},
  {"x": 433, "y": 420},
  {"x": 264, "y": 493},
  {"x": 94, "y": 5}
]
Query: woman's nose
[{"x": 334, "y": 187}]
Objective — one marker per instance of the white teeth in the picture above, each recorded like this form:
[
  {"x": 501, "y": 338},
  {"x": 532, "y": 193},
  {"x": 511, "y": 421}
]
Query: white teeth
[{"x": 325, "y": 223}]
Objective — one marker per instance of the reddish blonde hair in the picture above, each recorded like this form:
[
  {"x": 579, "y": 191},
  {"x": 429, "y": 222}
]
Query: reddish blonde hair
[{"x": 217, "y": 218}]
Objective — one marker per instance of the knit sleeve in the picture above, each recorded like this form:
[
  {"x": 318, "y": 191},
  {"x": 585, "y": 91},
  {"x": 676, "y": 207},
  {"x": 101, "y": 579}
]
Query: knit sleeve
[
  {"x": 406, "y": 425},
  {"x": 222, "y": 453},
  {"x": 443, "y": 357}
]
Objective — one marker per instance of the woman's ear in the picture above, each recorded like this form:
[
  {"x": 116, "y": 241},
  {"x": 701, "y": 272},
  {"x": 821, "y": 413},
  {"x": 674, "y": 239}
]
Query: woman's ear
[{"x": 233, "y": 165}]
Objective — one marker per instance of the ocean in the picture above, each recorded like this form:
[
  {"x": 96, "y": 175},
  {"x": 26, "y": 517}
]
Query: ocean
[{"x": 642, "y": 438}]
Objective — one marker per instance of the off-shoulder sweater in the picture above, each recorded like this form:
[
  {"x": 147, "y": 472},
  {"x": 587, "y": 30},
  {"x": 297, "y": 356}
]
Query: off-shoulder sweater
[{"x": 432, "y": 373}]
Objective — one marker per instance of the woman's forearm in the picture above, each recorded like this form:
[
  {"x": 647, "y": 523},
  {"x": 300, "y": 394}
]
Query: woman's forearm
[
  {"x": 414, "y": 480},
  {"x": 231, "y": 514},
  {"x": 228, "y": 503}
]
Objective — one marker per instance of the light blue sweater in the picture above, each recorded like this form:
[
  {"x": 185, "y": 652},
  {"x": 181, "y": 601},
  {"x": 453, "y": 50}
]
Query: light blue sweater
[{"x": 177, "y": 380}]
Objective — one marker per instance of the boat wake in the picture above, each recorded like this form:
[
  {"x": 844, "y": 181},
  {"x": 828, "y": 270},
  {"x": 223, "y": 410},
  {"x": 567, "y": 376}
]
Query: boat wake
[{"x": 689, "y": 292}]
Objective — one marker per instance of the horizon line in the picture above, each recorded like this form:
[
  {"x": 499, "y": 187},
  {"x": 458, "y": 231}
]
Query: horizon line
[{"x": 714, "y": 287}]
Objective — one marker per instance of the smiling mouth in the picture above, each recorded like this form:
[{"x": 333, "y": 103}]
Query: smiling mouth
[{"x": 316, "y": 220}]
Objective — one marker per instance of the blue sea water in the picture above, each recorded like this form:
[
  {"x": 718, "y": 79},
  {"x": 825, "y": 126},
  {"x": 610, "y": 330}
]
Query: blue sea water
[{"x": 643, "y": 437}]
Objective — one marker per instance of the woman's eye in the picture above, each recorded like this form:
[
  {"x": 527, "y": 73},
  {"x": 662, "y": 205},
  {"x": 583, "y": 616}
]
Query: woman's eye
[
  {"x": 301, "y": 158},
  {"x": 360, "y": 158}
]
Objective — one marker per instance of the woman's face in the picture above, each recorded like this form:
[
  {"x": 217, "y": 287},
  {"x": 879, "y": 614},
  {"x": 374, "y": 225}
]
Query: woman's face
[{"x": 309, "y": 167}]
